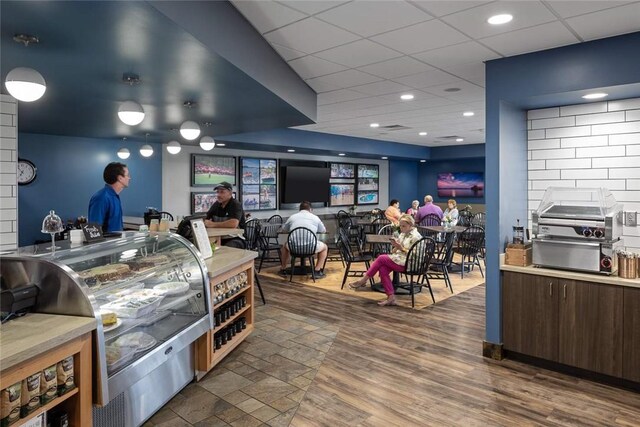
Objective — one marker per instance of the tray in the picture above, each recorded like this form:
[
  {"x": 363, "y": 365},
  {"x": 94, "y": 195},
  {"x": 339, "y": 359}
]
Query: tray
[
  {"x": 134, "y": 307},
  {"x": 118, "y": 356},
  {"x": 170, "y": 289},
  {"x": 138, "y": 341}
]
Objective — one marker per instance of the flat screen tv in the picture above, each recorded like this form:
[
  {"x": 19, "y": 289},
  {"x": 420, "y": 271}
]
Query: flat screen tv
[
  {"x": 306, "y": 183},
  {"x": 461, "y": 184}
]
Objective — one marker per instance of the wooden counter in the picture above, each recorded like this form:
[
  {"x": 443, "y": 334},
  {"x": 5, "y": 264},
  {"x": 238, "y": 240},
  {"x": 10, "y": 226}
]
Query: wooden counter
[
  {"x": 216, "y": 234},
  {"x": 225, "y": 259}
]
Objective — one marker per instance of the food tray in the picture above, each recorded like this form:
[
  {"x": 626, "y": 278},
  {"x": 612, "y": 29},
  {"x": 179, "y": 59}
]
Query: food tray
[
  {"x": 170, "y": 289},
  {"x": 133, "y": 306},
  {"x": 138, "y": 341},
  {"x": 118, "y": 356}
]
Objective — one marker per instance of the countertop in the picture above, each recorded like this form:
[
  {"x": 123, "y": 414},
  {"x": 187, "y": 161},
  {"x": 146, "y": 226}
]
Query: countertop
[
  {"x": 35, "y": 333},
  {"x": 226, "y": 258},
  {"x": 571, "y": 275}
]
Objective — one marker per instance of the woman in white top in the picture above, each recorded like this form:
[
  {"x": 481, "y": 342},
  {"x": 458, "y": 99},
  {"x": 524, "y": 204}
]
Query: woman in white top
[
  {"x": 451, "y": 212},
  {"x": 386, "y": 263}
]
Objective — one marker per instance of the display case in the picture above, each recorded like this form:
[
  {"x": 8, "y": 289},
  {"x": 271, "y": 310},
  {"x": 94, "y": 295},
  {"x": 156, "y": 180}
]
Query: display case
[{"x": 150, "y": 296}]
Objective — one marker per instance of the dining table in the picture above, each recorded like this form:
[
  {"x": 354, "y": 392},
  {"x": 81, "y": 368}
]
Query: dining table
[{"x": 217, "y": 234}]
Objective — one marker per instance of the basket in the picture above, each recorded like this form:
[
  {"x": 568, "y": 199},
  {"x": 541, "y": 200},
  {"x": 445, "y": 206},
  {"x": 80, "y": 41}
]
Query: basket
[{"x": 627, "y": 267}]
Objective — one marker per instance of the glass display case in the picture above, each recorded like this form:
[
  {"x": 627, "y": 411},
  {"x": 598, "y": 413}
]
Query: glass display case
[{"x": 149, "y": 294}]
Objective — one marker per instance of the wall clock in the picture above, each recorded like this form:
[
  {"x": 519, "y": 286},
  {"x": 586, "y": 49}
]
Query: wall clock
[{"x": 26, "y": 172}]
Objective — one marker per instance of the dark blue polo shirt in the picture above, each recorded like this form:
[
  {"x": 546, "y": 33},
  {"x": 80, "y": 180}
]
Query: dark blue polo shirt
[{"x": 105, "y": 209}]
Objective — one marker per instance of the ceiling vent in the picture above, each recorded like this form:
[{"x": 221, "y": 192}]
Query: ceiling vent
[{"x": 394, "y": 127}]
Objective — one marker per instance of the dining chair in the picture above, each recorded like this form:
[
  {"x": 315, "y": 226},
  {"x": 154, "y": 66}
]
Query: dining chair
[
  {"x": 166, "y": 215},
  {"x": 469, "y": 247},
  {"x": 350, "y": 258},
  {"x": 266, "y": 244},
  {"x": 417, "y": 266},
  {"x": 441, "y": 262},
  {"x": 464, "y": 218},
  {"x": 302, "y": 244},
  {"x": 430, "y": 220}
]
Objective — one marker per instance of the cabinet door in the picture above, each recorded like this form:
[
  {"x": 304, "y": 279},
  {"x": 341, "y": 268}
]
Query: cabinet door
[
  {"x": 591, "y": 326},
  {"x": 530, "y": 315},
  {"x": 631, "y": 340}
]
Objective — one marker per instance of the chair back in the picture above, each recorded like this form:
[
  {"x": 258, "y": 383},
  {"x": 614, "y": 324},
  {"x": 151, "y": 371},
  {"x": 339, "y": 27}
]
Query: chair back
[
  {"x": 470, "y": 240},
  {"x": 270, "y": 230},
  {"x": 443, "y": 254},
  {"x": 464, "y": 218},
  {"x": 302, "y": 242},
  {"x": 379, "y": 223},
  {"x": 166, "y": 215},
  {"x": 419, "y": 256},
  {"x": 344, "y": 221},
  {"x": 430, "y": 220},
  {"x": 275, "y": 219},
  {"x": 386, "y": 230},
  {"x": 479, "y": 219},
  {"x": 344, "y": 247},
  {"x": 252, "y": 234}
]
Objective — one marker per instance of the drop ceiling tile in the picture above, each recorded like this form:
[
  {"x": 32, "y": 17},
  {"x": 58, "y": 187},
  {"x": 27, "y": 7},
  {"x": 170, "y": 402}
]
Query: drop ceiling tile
[
  {"x": 473, "y": 22},
  {"x": 267, "y": 15},
  {"x": 532, "y": 39},
  {"x": 381, "y": 88},
  {"x": 458, "y": 54},
  {"x": 310, "y": 35},
  {"x": 441, "y": 8},
  {"x": 343, "y": 79},
  {"x": 310, "y": 66},
  {"x": 610, "y": 22},
  {"x": 420, "y": 37},
  {"x": 474, "y": 72},
  {"x": 311, "y": 7},
  {"x": 339, "y": 96},
  {"x": 426, "y": 79},
  {"x": 567, "y": 9},
  {"x": 358, "y": 53},
  {"x": 396, "y": 67},
  {"x": 320, "y": 86},
  {"x": 367, "y": 18},
  {"x": 468, "y": 92},
  {"x": 286, "y": 53}
]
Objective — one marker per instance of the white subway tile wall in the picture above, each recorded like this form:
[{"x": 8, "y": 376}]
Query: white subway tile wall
[
  {"x": 8, "y": 177},
  {"x": 587, "y": 145}
]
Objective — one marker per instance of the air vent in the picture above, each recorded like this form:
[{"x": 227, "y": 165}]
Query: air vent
[
  {"x": 395, "y": 127},
  {"x": 448, "y": 137}
]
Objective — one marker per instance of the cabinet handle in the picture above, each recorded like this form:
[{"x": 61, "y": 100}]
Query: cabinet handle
[
  {"x": 564, "y": 291},
  {"x": 550, "y": 289}
]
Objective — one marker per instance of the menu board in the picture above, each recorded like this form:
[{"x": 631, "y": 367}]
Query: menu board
[
  {"x": 201, "y": 238},
  {"x": 258, "y": 184}
]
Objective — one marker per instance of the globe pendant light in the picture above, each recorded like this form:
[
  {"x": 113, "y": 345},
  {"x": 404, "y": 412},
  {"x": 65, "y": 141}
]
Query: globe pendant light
[
  {"x": 190, "y": 130},
  {"x": 174, "y": 147},
  {"x": 123, "y": 153},
  {"x": 207, "y": 143},
  {"x": 131, "y": 113},
  {"x": 146, "y": 150},
  {"x": 25, "y": 84}
]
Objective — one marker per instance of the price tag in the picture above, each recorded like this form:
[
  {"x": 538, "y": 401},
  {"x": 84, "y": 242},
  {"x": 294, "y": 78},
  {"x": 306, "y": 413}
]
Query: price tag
[
  {"x": 92, "y": 233},
  {"x": 201, "y": 238}
]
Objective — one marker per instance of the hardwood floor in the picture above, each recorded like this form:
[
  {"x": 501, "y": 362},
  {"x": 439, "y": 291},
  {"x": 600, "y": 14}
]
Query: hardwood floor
[{"x": 395, "y": 366}]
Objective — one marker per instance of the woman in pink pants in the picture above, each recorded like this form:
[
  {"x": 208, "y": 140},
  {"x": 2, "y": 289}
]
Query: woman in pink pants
[{"x": 385, "y": 264}]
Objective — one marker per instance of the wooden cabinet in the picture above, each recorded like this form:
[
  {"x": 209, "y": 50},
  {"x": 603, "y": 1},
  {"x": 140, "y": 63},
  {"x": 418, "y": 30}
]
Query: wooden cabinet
[
  {"x": 631, "y": 340},
  {"x": 530, "y": 315}
]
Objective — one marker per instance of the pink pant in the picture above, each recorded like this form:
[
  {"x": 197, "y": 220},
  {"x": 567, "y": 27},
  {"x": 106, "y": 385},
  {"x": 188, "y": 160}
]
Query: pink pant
[{"x": 383, "y": 265}]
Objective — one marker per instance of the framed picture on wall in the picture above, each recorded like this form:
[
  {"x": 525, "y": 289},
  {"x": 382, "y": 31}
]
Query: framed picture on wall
[
  {"x": 258, "y": 187},
  {"x": 461, "y": 184},
  {"x": 369, "y": 184},
  {"x": 367, "y": 197},
  {"x": 343, "y": 170},
  {"x": 342, "y": 194},
  {"x": 368, "y": 171},
  {"x": 202, "y": 201},
  {"x": 208, "y": 170}
]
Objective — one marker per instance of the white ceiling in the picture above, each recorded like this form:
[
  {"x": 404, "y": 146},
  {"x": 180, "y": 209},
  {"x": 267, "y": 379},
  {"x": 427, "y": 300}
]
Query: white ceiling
[{"x": 361, "y": 55}]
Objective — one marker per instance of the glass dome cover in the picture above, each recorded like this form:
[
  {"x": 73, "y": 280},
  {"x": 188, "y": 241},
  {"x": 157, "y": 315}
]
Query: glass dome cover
[
  {"x": 52, "y": 223},
  {"x": 561, "y": 202}
]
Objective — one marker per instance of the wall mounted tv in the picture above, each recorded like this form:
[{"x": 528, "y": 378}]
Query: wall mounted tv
[
  {"x": 305, "y": 183},
  {"x": 461, "y": 184}
]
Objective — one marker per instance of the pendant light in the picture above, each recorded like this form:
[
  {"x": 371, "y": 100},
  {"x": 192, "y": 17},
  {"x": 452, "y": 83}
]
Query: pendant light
[
  {"x": 173, "y": 147},
  {"x": 190, "y": 130},
  {"x": 25, "y": 84},
  {"x": 131, "y": 113},
  {"x": 123, "y": 153},
  {"x": 146, "y": 150},
  {"x": 207, "y": 143}
]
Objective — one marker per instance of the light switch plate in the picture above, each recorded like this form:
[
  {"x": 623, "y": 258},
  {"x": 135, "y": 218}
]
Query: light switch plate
[{"x": 631, "y": 219}]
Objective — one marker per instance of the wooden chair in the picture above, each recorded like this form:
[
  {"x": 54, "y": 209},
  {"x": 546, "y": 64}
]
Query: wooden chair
[
  {"x": 441, "y": 262},
  {"x": 266, "y": 244},
  {"x": 252, "y": 236},
  {"x": 302, "y": 243},
  {"x": 469, "y": 247},
  {"x": 350, "y": 258},
  {"x": 464, "y": 218},
  {"x": 417, "y": 266},
  {"x": 430, "y": 220}
]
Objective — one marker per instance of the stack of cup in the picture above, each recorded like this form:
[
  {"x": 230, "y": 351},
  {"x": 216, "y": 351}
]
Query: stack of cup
[
  {"x": 154, "y": 225},
  {"x": 164, "y": 225},
  {"x": 76, "y": 236}
]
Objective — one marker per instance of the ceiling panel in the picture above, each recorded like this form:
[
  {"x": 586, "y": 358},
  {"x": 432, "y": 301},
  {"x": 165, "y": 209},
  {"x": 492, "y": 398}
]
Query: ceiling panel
[
  {"x": 626, "y": 19},
  {"x": 310, "y": 66},
  {"x": 468, "y": 92},
  {"x": 381, "y": 88},
  {"x": 420, "y": 37},
  {"x": 367, "y": 18},
  {"x": 266, "y": 15},
  {"x": 358, "y": 53},
  {"x": 311, "y": 7},
  {"x": 426, "y": 79},
  {"x": 286, "y": 53},
  {"x": 525, "y": 14},
  {"x": 541, "y": 37},
  {"x": 458, "y": 54},
  {"x": 567, "y": 9},
  {"x": 339, "y": 96},
  {"x": 310, "y": 35},
  {"x": 396, "y": 67},
  {"x": 473, "y": 73},
  {"x": 344, "y": 79},
  {"x": 446, "y": 7}
]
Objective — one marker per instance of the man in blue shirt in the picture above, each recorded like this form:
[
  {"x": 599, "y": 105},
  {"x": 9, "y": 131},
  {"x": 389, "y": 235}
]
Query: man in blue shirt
[{"x": 105, "y": 207}]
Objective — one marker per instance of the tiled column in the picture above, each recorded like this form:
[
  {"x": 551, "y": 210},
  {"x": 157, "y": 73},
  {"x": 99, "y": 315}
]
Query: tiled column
[{"x": 8, "y": 177}]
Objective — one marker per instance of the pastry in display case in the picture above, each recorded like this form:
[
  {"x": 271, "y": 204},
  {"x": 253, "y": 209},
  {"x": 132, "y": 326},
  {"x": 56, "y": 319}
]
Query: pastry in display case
[{"x": 150, "y": 296}]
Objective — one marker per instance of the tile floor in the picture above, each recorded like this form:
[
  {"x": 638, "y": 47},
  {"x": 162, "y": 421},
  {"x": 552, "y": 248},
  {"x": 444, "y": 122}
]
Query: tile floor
[{"x": 262, "y": 382}]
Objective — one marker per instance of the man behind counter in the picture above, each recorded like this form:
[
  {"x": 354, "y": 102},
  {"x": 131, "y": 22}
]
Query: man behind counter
[
  {"x": 105, "y": 207},
  {"x": 226, "y": 212}
]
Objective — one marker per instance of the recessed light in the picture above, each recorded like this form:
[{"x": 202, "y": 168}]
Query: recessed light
[
  {"x": 468, "y": 113},
  {"x": 406, "y": 97},
  {"x": 341, "y": 154},
  {"x": 422, "y": 133},
  {"x": 452, "y": 89},
  {"x": 459, "y": 139},
  {"x": 374, "y": 125},
  {"x": 290, "y": 150},
  {"x": 595, "y": 95},
  {"x": 500, "y": 19},
  {"x": 384, "y": 158},
  {"x": 220, "y": 144},
  {"x": 423, "y": 161}
]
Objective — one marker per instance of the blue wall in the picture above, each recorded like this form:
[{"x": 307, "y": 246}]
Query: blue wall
[
  {"x": 70, "y": 171},
  {"x": 403, "y": 184},
  {"x": 428, "y": 177},
  {"x": 541, "y": 79}
]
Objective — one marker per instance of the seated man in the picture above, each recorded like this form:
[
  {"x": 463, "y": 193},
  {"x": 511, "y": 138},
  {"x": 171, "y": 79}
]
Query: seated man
[
  {"x": 306, "y": 219},
  {"x": 226, "y": 212},
  {"x": 428, "y": 208}
]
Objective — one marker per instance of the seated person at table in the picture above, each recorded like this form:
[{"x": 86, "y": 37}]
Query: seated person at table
[
  {"x": 451, "y": 211},
  {"x": 226, "y": 212},
  {"x": 386, "y": 263},
  {"x": 413, "y": 210},
  {"x": 392, "y": 213},
  {"x": 306, "y": 219},
  {"x": 428, "y": 208}
]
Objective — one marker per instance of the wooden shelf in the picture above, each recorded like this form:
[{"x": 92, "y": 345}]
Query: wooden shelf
[
  {"x": 218, "y": 355},
  {"x": 47, "y": 407},
  {"x": 231, "y": 298},
  {"x": 231, "y": 319}
]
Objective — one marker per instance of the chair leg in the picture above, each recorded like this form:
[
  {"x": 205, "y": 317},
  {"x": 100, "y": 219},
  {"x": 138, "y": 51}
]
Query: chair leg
[
  {"x": 262, "y": 257},
  {"x": 279, "y": 255},
  {"x": 430, "y": 290},
  {"x": 447, "y": 279},
  {"x": 346, "y": 274},
  {"x": 313, "y": 268},
  {"x": 291, "y": 272},
  {"x": 368, "y": 265},
  {"x": 413, "y": 298},
  {"x": 479, "y": 266},
  {"x": 257, "y": 280}
]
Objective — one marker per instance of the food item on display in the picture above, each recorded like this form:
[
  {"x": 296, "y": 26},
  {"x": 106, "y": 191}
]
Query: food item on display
[
  {"x": 108, "y": 318},
  {"x": 65, "y": 375},
  {"x": 172, "y": 288},
  {"x": 30, "y": 396},
  {"x": 147, "y": 262},
  {"x": 116, "y": 355},
  {"x": 139, "y": 341},
  {"x": 105, "y": 273},
  {"x": 136, "y": 304},
  {"x": 10, "y": 402},
  {"x": 48, "y": 384}
]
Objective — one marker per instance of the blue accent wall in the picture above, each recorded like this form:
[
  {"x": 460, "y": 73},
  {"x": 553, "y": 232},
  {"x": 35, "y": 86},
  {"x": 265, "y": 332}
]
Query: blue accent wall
[
  {"x": 70, "y": 171},
  {"x": 428, "y": 177},
  {"x": 403, "y": 184},
  {"x": 513, "y": 86}
]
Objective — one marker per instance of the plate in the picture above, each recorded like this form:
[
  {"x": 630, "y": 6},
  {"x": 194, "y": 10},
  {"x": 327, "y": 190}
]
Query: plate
[
  {"x": 138, "y": 341},
  {"x": 112, "y": 327},
  {"x": 172, "y": 288}
]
